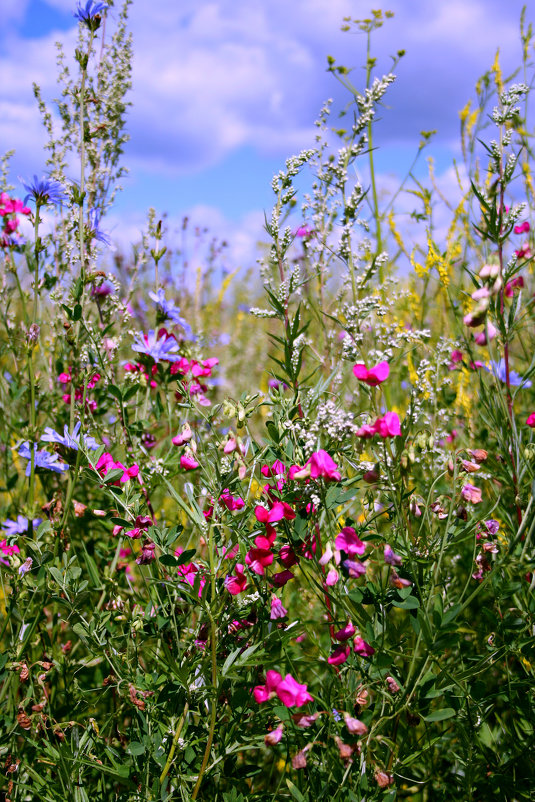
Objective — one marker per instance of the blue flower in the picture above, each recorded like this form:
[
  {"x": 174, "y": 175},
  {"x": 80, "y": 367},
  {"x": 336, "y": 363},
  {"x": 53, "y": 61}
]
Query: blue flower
[
  {"x": 162, "y": 348},
  {"x": 69, "y": 440},
  {"x": 44, "y": 191},
  {"x": 89, "y": 12},
  {"x": 498, "y": 370},
  {"x": 336, "y": 715},
  {"x": 96, "y": 231},
  {"x": 170, "y": 311},
  {"x": 20, "y": 526},
  {"x": 43, "y": 459}
]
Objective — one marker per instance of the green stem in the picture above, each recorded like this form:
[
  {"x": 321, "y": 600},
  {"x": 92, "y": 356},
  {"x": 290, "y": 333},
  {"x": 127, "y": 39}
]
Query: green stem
[{"x": 178, "y": 730}]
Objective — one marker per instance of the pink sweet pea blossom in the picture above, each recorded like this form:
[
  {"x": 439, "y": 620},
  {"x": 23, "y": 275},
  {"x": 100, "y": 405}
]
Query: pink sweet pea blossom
[
  {"x": 257, "y": 559},
  {"x": 349, "y": 541},
  {"x": 355, "y": 726},
  {"x": 523, "y": 228},
  {"x": 346, "y": 632},
  {"x": 106, "y": 464},
  {"x": 147, "y": 553},
  {"x": 264, "y": 692},
  {"x": 322, "y": 465},
  {"x": 387, "y": 426},
  {"x": 509, "y": 291},
  {"x": 339, "y": 656},
  {"x": 237, "y": 583},
  {"x": 361, "y": 647},
  {"x": 373, "y": 376},
  {"x": 188, "y": 462},
  {"x": 277, "y": 609},
  {"x": 287, "y": 556},
  {"x": 291, "y": 693},
  {"x": 471, "y": 493},
  {"x": 531, "y": 420},
  {"x": 274, "y": 736},
  {"x": 332, "y": 577},
  {"x": 485, "y": 336},
  {"x": 354, "y": 568}
]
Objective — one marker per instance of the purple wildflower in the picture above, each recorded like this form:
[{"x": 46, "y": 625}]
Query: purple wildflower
[
  {"x": 158, "y": 349},
  {"x": 170, "y": 311},
  {"x": 43, "y": 459},
  {"x": 20, "y": 526},
  {"x": 44, "y": 191},
  {"x": 69, "y": 440}
]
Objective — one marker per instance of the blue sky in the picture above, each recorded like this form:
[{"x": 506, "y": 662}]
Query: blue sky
[{"x": 225, "y": 90}]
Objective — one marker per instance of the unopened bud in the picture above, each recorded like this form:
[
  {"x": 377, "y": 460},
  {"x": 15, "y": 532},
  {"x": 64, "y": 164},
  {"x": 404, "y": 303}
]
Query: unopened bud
[{"x": 33, "y": 333}]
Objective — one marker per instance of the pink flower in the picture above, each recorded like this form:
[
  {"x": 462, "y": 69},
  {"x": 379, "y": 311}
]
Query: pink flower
[
  {"x": 524, "y": 252},
  {"x": 257, "y": 559},
  {"x": 277, "y": 469},
  {"x": 231, "y": 502},
  {"x": 355, "y": 726},
  {"x": 346, "y": 632},
  {"x": 264, "y": 692},
  {"x": 354, "y": 568},
  {"x": 274, "y": 736},
  {"x": 393, "y": 687},
  {"x": 471, "y": 493},
  {"x": 390, "y": 557},
  {"x": 531, "y": 420},
  {"x": 291, "y": 693},
  {"x": 188, "y": 462},
  {"x": 339, "y": 656},
  {"x": 485, "y": 336},
  {"x": 349, "y": 541},
  {"x": 322, "y": 465},
  {"x": 387, "y": 426},
  {"x": 237, "y": 583},
  {"x": 332, "y": 577},
  {"x": 141, "y": 524},
  {"x": 106, "y": 464},
  {"x": 361, "y": 647},
  {"x": 518, "y": 281},
  {"x": 523, "y": 228},
  {"x": 280, "y": 510},
  {"x": 277, "y": 609},
  {"x": 373, "y": 376}
]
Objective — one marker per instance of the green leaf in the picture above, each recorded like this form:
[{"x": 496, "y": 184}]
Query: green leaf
[
  {"x": 295, "y": 792},
  {"x": 411, "y": 603},
  {"x": 57, "y": 575},
  {"x": 135, "y": 748},
  {"x": 115, "y": 392},
  {"x": 440, "y": 715}
]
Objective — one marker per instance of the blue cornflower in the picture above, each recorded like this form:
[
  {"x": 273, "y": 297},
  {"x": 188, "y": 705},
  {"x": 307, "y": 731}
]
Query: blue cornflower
[
  {"x": 162, "y": 348},
  {"x": 43, "y": 459},
  {"x": 69, "y": 440},
  {"x": 20, "y": 526},
  {"x": 44, "y": 191},
  {"x": 170, "y": 311},
  {"x": 96, "y": 231},
  {"x": 89, "y": 12},
  {"x": 498, "y": 370},
  {"x": 336, "y": 715}
]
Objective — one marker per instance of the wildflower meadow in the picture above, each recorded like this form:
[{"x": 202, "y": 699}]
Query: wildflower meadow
[{"x": 296, "y": 562}]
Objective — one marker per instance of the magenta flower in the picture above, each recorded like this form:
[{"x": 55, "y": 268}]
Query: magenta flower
[
  {"x": 258, "y": 560},
  {"x": 262, "y": 693},
  {"x": 373, "y": 376},
  {"x": 280, "y": 579},
  {"x": 349, "y": 541},
  {"x": 361, "y": 647},
  {"x": 393, "y": 686},
  {"x": 531, "y": 420},
  {"x": 237, "y": 583},
  {"x": 346, "y": 632},
  {"x": 287, "y": 556},
  {"x": 188, "y": 462},
  {"x": 322, "y": 465},
  {"x": 332, "y": 577},
  {"x": 523, "y": 228},
  {"x": 339, "y": 656},
  {"x": 387, "y": 426},
  {"x": 277, "y": 609},
  {"x": 106, "y": 464},
  {"x": 354, "y": 568},
  {"x": 291, "y": 693},
  {"x": 231, "y": 502}
]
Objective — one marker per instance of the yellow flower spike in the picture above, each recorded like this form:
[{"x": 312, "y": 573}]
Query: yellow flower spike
[{"x": 497, "y": 72}]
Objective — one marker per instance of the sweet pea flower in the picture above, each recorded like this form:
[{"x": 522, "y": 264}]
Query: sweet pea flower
[
  {"x": 188, "y": 462},
  {"x": 354, "y": 568},
  {"x": 387, "y": 426},
  {"x": 272, "y": 738},
  {"x": 258, "y": 559},
  {"x": 287, "y": 556},
  {"x": 277, "y": 609},
  {"x": 338, "y": 656},
  {"x": 510, "y": 287},
  {"x": 147, "y": 553},
  {"x": 262, "y": 693},
  {"x": 346, "y": 632},
  {"x": 390, "y": 557},
  {"x": 280, "y": 579},
  {"x": 332, "y": 577},
  {"x": 348, "y": 540},
  {"x": 236, "y": 584},
  {"x": 373, "y": 376},
  {"x": 531, "y": 420},
  {"x": 471, "y": 493},
  {"x": 291, "y": 693},
  {"x": 355, "y": 726},
  {"x": 485, "y": 336},
  {"x": 393, "y": 686},
  {"x": 322, "y": 465},
  {"x": 361, "y": 647}
]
